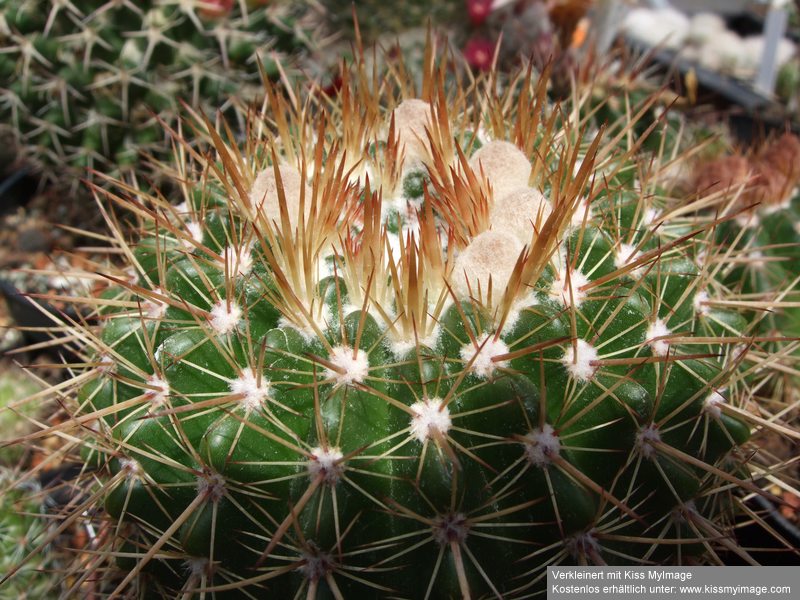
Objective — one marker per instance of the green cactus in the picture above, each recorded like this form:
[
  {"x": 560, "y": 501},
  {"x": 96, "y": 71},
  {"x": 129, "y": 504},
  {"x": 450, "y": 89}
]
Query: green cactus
[
  {"x": 764, "y": 238},
  {"x": 84, "y": 84},
  {"x": 16, "y": 411},
  {"x": 21, "y": 529},
  {"x": 376, "y": 19},
  {"x": 421, "y": 344}
]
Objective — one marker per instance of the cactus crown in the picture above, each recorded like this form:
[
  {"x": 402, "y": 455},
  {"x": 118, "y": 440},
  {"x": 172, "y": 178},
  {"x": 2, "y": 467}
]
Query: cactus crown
[{"x": 412, "y": 343}]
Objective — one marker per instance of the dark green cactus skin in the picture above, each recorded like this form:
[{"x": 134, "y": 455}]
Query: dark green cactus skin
[
  {"x": 766, "y": 248},
  {"x": 84, "y": 84}
]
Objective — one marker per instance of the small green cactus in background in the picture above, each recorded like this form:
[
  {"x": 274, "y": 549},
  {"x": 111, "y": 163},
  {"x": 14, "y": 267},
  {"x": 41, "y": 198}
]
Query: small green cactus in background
[
  {"x": 412, "y": 343},
  {"x": 87, "y": 84},
  {"x": 764, "y": 197},
  {"x": 16, "y": 414},
  {"x": 21, "y": 530},
  {"x": 376, "y": 18}
]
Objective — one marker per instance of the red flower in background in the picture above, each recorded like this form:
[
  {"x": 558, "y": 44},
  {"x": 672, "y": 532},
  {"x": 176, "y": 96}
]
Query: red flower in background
[
  {"x": 479, "y": 53},
  {"x": 479, "y": 11},
  {"x": 334, "y": 86},
  {"x": 214, "y": 9}
]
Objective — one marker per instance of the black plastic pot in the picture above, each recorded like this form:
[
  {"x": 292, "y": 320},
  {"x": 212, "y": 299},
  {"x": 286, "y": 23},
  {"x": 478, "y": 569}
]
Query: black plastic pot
[
  {"x": 29, "y": 315},
  {"x": 17, "y": 187},
  {"x": 751, "y": 115},
  {"x": 760, "y": 543}
]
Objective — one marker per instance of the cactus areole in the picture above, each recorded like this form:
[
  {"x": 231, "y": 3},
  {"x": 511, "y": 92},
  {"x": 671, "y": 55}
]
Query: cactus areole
[{"x": 409, "y": 345}]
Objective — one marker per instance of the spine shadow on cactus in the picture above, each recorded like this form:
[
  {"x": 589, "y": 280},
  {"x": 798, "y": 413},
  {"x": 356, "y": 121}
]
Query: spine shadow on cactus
[{"x": 373, "y": 354}]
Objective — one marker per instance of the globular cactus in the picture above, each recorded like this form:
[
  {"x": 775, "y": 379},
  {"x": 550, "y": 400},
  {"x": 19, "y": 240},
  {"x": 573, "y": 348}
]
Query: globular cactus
[
  {"x": 411, "y": 343},
  {"x": 84, "y": 84},
  {"x": 763, "y": 194}
]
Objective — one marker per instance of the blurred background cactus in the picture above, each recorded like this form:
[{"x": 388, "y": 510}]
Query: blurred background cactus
[
  {"x": 763, "y": 187},
  {"x": 21, "y": 529},
  {"x": 16, "y": 419},
  {"x": 480, "y": 32},
  {"x": 378, "y": 19},
  {"x": 84, "y": 84}
]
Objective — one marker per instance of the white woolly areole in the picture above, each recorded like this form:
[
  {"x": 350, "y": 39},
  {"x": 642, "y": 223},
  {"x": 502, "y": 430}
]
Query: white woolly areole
[
  {"x": 525, "y": 300},
  {"x": 225, "y": 317},
  {"x": 756, "y": 259},
  {"x": 131, "y": 275},
  {"x": 520, "y": 212},
  {"x": 684, "y": 512},
  {"x": 578, "y": 359},
  {"x": 105, "y": 364},
  {"x": 411, "y": 117},
  {"x": 450, "y": 528},
  {"x": 316, "y": 565},
  {"x": 583, "y": 544},
  {"x": 356, "y": 368},
  {"x": 651, "y": 216},
  {"x": 583, "y": 211},
  {"x": 238, "y": 260},
  {"x": 748, "y": 220},
  {"x": 569, "y": 293},
  {"x": 155, "y": 308},
  {"x": 326, "y": 464},
  {"x": 492, "y": 254},
  {"x": 626, "y": 254},
  {"x": 253, "y": 391},
  {"x": 713, "y": 404},
  {"x": 505, "y": 167},
  {"x": 645, "y": 439},
  {"x": 736, "y": 353},
  {"x": 211, "y": 485},
  {"x": 658, "y": 329},
  {"x": 542, "y": 446},
  {"x": 401, "y": 347},
  {"x": 483, "y": 366},
  {"x": 131, "y": 53},
  {"x": 157, "y": 390},
  {"x": 195, "y": 234},
  {"x": 322, "y": 316},
  {"x": 130, "y": 467},
  {"x": 699, "y": 303},
  {"x": 786, "y": 202},
  {"x": 264, "y": 194},
  {"x": 197, "y": 566},
  {"x": 430, "y": 419}
]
